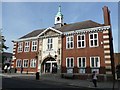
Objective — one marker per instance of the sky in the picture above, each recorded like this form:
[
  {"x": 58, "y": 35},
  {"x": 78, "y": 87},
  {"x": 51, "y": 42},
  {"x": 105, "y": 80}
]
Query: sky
[{"x": 20, "y": 18}]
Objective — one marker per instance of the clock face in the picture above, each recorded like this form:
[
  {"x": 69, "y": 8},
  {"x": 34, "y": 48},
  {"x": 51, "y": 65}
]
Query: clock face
[{"x": 58, "y": 18}]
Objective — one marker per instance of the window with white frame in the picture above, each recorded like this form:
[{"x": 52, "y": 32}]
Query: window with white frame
[
  {"x": 95, "y": 62},
  {"x": 33, "y": 63},
  {"x": 93, "y": 39},
  {"x": 25, "y": 63},
  {"x": 27, "y": 46},
  {"x": 34, "y": 46},
  {"x": 50, "y": 43},
  {"x": 20, "y": 46},
  {"x": 69, "y": 42},
  {"x": 81, "y": 41},
  {"x": 70, "y": 62},
  {"x": 18, "y": 63},
  {"x": 81, "y": 62}
]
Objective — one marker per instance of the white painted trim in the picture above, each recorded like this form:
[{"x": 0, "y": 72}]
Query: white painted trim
[
  {"x": 106, "y": 41},
  {"x": 105, "y": 36},
  {"x": 88, "y": 30},
  {"x": 69, "y": 32},
  {"x": 51, "y": 62},
  {"x": 27, "y": 46},
  {"x": 108, "y": 72},
  {"x": 12, "y": 66},
  {"x": 93, "y": 40},
  {"x": 14, "y": 50},
  {"x": 12, "y": 63},
  {"x": 21, "y": 46},
  {"x": 34, "y": 45},
  {"x": 107, "y": 51},
  {"x": 107, "y": 67},
  {"x": 107, "y": 56},
  {"x": 27, "y": 63},
  {"x": 66, "y": 42},
  {"x": 13, "y": 57},
  {"x": 94, "y": 61},
  {"x": 108, "y": 62},
  {"x": 17, "y": 61},
  {"x": 106, "y": 46},
  {"x": 104, "y": 32},
  {"x": 50, "y": 29},
  {"x": 66, "y": 61},
  {"x": 81, "y": 63},
  {"x": 82, "y": 40},
  {"x": 35, "y": 63}
]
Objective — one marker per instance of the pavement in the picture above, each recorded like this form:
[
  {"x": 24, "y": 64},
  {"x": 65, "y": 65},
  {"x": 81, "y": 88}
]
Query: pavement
[{"x": 56, "y": 78}]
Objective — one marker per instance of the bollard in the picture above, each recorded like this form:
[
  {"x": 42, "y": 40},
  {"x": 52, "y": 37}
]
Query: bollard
[{"x": 37, "y": 75}]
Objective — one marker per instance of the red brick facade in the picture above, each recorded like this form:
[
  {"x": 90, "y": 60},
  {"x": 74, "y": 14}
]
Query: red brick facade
[
  {"x": 83, "y": 52},
  {"x": 25, "y": 55},
  {"x": 104, "y": 50}
]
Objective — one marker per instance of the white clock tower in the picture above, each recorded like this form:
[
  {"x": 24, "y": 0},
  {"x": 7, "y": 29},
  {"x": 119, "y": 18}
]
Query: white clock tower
[{"x": 59, "y": 18}]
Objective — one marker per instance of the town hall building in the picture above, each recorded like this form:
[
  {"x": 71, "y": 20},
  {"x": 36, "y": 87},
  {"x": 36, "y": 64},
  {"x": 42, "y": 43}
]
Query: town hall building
[{"x": 75, "y": 49}]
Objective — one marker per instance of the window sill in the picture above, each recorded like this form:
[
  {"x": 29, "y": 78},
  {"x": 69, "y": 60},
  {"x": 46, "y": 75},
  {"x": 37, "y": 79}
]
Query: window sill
[
  {"x": 26, "y": 51},
  {"x": 94, "y": 46},
  {"x": 33, "y": 67},
  {"x": 34, "y": 51},
  {"x": 25, "y": 67},
  {"x": 80, "y": 47},
  {"x": 69, "y": 48},
  {"x": 81, "y": 67},
  {"x": 94, "y": 67},
  {"x": 69, "y": 67}
]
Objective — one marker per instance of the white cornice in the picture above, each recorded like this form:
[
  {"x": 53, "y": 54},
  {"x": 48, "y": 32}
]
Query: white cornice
[
  {"x": 50, "y": 28},
  {"x": 65, "y": 33},
  {"x": 87, "y": 30}
]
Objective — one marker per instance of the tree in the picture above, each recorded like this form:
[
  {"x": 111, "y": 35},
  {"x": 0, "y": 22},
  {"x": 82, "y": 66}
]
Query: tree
[
  {"x": 2, "y": 47},
  {"x": 3, "y": 44}
]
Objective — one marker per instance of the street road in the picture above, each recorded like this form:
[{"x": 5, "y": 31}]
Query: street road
[
  {"x": 9, "y": 83},
  {"x": 18, "y": 83}
]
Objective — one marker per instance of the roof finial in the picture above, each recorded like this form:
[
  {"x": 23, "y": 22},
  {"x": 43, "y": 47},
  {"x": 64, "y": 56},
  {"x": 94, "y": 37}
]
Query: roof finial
[{"x": 59, "y": 9}]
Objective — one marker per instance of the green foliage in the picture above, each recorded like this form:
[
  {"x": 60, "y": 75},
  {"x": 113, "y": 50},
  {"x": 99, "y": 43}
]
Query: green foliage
[{"x": 4, "y": 46}]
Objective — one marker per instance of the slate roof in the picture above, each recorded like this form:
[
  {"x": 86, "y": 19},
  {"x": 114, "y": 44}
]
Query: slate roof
[
  {"x": 7, "y": 54},
  {"x": 79, "y": 25},
  {"x": 32, "y": 34},
  {"x": 67, "y": 27}
]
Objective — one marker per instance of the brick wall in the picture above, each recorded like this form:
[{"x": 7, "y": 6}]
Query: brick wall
[
  {"x": 83, "y": 52},
  {"x": 25, "y": 55}
]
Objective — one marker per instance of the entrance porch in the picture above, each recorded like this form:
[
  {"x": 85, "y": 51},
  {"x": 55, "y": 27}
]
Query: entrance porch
[{"x": 49, "y": 65}]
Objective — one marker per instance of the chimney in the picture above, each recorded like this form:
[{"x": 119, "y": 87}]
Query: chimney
[{"x": 106, "y": 14}]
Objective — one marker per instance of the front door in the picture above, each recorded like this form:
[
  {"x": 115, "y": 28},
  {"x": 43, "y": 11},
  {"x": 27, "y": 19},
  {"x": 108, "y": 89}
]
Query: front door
[
  {"x": 47, "y": 67},
  {"x": 54, "y": 67},
  {"x": 50, "y": 67}
]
